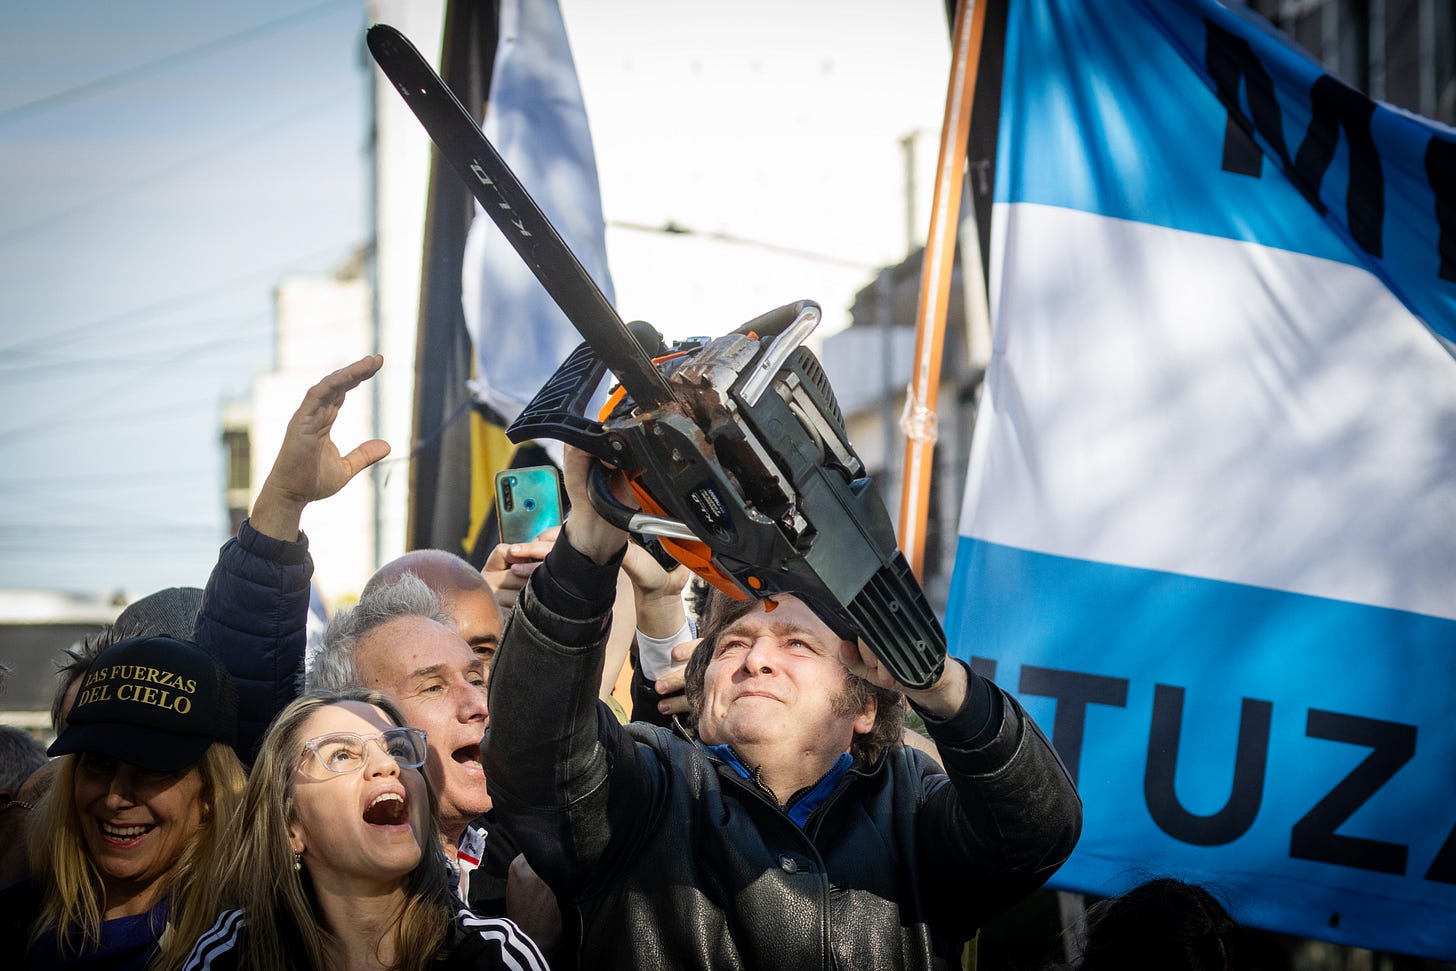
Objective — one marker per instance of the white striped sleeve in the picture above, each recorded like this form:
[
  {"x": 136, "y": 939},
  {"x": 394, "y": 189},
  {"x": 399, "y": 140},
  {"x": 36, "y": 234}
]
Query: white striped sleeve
[
  {"x": 517, "y": 951},
  {"x": 217, "y": 940}
]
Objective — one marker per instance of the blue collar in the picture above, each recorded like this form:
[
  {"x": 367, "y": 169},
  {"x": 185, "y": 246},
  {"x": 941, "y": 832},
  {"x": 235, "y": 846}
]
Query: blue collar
[{"x": 803, "y": 803}]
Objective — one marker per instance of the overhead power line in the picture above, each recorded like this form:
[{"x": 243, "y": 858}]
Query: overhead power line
[
  {"x": 161, "y": 64},
  {"x": 166, "y": 411},
  {"x": 149, "y": 314},
  {"x": 671, "y": 228},
  {"x": 275, "y": 127},
  {"x": 200, "y": 337}
]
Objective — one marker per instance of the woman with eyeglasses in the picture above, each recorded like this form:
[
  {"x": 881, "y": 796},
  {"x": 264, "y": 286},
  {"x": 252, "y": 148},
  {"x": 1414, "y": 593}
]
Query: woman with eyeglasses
[{"x": 333, "y": 860}]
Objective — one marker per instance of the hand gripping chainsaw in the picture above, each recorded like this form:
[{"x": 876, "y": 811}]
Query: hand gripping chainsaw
[{"x": 735, "y": 447}]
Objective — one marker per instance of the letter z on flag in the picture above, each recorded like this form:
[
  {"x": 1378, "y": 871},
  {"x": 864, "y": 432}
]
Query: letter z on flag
[{"x": 1209, "y": 531}]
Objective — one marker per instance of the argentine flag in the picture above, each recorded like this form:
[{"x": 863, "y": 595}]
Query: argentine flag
[
  {"x": 1209, "y": 531},
  {"x": 536, "y": 119}
]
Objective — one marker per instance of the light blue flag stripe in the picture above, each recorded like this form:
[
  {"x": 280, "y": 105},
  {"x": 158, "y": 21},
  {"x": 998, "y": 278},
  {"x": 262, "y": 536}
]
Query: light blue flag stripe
[
  {"x": 1091, "y": 649},
  {"x": 1140, "y": 69}
]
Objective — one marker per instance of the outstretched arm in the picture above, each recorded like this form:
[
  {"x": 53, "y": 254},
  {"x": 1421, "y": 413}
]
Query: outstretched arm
[
  {"x": 309, "y": 466},
  {"x": 662, "y": 630},
  {"x": 255, "y": 609},
  {"x": 560, "y": 766}
]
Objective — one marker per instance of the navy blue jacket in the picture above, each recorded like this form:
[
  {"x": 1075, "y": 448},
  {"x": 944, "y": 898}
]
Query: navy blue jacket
[{"x": 254, "y": 617}]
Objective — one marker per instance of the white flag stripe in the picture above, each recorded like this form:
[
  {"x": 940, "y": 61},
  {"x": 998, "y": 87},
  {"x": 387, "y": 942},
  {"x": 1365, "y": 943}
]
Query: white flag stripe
[
  {"x": 1102, "y": 364},
  {"x": 537, "y": 121}
]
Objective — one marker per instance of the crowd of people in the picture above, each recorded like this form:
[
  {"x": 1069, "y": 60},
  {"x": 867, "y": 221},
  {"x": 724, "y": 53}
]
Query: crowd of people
[{"x": 446, "y": 779}]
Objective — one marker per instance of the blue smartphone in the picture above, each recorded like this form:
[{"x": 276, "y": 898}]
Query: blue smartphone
[{"x": 527, "y": 501}]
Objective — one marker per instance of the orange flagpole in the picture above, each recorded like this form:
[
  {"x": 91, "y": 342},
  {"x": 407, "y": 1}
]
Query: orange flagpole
[{"x": 919, "y": 418}]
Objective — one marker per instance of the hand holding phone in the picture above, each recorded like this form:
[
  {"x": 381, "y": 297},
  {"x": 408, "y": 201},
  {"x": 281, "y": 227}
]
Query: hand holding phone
[
  {"x": 528, "y": 502},
  {"x": 509, "y": 566}
]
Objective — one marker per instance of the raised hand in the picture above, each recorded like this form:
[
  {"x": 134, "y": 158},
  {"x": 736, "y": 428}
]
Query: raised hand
[
  {"x": 657, "y": 593},
  {"x": 588, "y": 533},
  {"x": 942, "y": 699},
  {"x": 309, "y": 466}
]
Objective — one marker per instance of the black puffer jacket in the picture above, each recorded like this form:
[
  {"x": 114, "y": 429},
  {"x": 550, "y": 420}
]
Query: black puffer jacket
[
  {"x": 672, "y": 860},
  {"x": 254, "y": 618}
]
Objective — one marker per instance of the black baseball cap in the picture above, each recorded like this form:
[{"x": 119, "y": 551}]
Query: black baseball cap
[{"x": 156, "y": 702}]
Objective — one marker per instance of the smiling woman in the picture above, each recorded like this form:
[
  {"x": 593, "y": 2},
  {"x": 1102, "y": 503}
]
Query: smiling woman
[
  {"x": 146, "y": 782},
  {"x": 334, "y": 859}
]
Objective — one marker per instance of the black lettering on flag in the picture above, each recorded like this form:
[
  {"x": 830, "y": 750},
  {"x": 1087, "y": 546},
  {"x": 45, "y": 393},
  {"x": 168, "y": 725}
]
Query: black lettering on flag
[
  {"x": 1443, "y": 867},
  {"x": 1074, "y": 691},
  {"x": 1231, "y": 62},
  {"x": 1336, "y": 106},
  {"x": 1250, "y": 758},
  {"x": 1441, "y": 172},
  {"x": 1314, "y": 837},
  {"x": 984, "y": 667}
]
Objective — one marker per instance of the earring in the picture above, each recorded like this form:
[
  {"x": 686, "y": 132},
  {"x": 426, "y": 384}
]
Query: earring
[{"x": 298, "y": 861}]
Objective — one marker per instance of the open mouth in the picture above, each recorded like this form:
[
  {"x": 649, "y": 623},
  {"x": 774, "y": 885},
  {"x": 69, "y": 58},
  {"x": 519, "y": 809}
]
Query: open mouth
[
  {"x": 468, "y": 755},
  {"x": 387, "y": 809},
  {"x": 121, "y": 835}
]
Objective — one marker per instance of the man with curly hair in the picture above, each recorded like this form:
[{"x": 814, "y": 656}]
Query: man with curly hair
[{"x": 793, "y": 829}]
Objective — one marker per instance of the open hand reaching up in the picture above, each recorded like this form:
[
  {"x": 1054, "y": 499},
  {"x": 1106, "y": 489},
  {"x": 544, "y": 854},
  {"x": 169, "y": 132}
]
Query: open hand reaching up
[{"x": 309, "y": 466}]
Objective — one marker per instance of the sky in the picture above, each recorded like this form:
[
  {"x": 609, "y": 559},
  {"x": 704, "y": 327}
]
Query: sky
[
  {"x": 771, "y": 122},
  {"x": 165, "y": 165}
]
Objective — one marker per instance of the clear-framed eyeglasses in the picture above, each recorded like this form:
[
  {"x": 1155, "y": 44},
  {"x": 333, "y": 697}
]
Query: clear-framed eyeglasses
[{"x": 344, "y": 752}]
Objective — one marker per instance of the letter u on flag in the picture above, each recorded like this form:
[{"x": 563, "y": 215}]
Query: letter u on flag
[{"x": 1209, "y": 531}]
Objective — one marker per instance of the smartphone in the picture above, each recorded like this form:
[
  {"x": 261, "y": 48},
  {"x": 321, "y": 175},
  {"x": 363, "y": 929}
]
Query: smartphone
[{"x": 527, "y": 501}]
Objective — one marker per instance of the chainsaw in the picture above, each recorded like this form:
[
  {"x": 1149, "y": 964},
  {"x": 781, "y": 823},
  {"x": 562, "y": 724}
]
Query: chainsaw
[{"x": 734, "y": 447}]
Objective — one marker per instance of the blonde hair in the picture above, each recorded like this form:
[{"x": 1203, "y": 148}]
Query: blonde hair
[
  {"x": 257, "y": 874},
  {"x": 73, "y": 895}
]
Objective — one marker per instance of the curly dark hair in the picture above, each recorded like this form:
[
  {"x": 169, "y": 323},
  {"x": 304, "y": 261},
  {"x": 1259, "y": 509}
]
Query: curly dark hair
[
  {"x": 1162, "y": 923},
  {"x": 722, "y": 610}
]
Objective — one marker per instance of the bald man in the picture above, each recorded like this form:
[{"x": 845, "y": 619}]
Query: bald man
[{"x": 463, "y": 593}]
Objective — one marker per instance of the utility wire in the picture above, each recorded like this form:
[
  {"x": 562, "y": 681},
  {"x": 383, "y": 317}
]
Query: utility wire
[
  {"x": 671, "y": 228},
  {"x": 151, "y": 543},
  {"x": 246, "y": 329},
  {"x": 173, "y": 410},
  {"x": 125, "y": 385},
  {"x": 148, "y": 313},
  {"x": 149, "y": 68},
  {"x": 71, "y": 369},
  {"x": 20, "y": 233},
  {"x": 118, "y": 479}
]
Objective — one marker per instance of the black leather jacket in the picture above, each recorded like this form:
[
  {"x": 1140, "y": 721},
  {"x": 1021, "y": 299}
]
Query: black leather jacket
[{"x": 667, "y": 858}]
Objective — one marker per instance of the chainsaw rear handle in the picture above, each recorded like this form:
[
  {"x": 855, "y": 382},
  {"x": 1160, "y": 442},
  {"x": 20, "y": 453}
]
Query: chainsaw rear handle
[
  {"x": 794, "y": 323},
  {"x": 777, "y": 320},
  {"x": 623, "y": 516}
]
